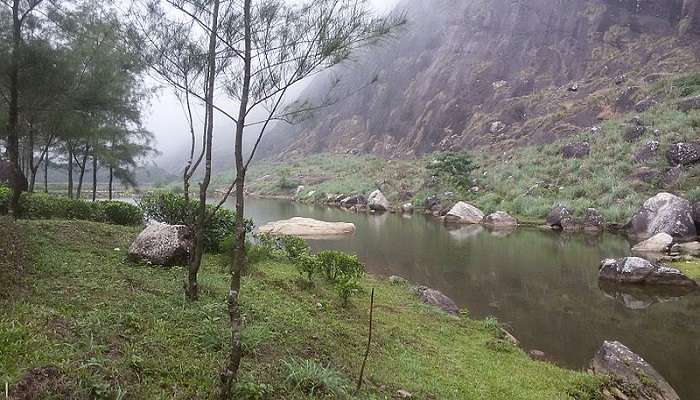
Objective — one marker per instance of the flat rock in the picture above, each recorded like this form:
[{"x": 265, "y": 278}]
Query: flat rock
[
  {"x": 636, "y": 270},
  {"x": 437, "y": 299},
  {"x": 500, "y": 219},
  {"x": 659, "y": 243},
  {"x": 464, "y": 213},
  {"x": 666, "y": 213},
  {"x": 633, "y": 373},
  {"x": 163, "y": 244},
  {"x": 307, "y": 227}
]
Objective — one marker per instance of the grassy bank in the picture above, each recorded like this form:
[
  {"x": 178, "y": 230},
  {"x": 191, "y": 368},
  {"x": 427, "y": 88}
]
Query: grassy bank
[
  {"x": 91, "y": 325},
  {"x": 525, "y": 181},
  {"x": 690, "y": 268}
]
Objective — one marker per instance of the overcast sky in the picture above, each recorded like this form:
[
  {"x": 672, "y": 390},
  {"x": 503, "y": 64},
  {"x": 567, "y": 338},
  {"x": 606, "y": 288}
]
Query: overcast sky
[{"x": 165, "y": 116}]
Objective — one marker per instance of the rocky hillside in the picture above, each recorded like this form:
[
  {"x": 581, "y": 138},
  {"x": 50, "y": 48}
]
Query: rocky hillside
[{"x": 499, "y": 74}]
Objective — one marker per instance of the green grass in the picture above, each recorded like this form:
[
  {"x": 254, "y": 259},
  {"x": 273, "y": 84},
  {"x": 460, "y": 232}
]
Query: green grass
[
  {"x": 690, "y": 268},
  {"x": 110, "y": 329}
]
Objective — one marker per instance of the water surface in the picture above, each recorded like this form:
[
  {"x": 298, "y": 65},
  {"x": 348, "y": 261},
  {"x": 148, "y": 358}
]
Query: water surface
[{"x": 543, "y": 285}]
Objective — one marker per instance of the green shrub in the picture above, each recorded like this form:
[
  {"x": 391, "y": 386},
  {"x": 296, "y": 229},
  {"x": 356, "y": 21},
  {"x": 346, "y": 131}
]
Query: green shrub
[
  {"x": 312, "y": 378},
  {"x": 307, "y": 265},
  {"x": 337, "y": 265},
  {"x": 454, "y": 167},
  {"x": 174, "y": 209},
  {"x": 346, "y": 287},
  {"x": 46, "y": 206},
  {"x": 252, "y": 391},
  {"x": 5, "y": 194},
  {"x": 294, "y": 247},
  {"x": 121, "y": 213}
]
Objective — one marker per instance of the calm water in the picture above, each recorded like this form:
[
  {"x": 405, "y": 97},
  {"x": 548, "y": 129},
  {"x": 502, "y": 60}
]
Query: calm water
[{"x": 543, "y": 285}]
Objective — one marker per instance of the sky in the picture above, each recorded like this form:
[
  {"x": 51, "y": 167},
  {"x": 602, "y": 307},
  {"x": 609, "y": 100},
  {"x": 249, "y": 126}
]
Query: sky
[{"x": 166, "y": 120}]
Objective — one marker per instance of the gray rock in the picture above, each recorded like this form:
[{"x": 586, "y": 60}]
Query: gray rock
[
  {"x": 397, "y": 280},
  {"x": 633, "y": 133},
  {"x": 431, "y": 203},
  {"x": 684, "y": 153},
  {"x": 634, "y": 374},
  {"x": 163, "y": 244},
  {"x": 576, "y": 150},
  {"x": 464, "y": 213},
  {"x": 378, "y": 202},
  {"x": 689, "y": 103},
  {"x": 353, "y": 200},
  {"x": 407, "y": 208},
  {"x": 500, "y": 219},
  {"x": 659, "y": 243},
  {"x": 635, "y": 270},
  {"x": 497, "y": 127},
  {"x": 437, "y": 299},
  {"x": 663, "y": 213},
  {"x": 537, "y": 355},
  {"x": 593, "y": 221},
  {"x": 687, "y": 249},
  {"x": 557, "y": 214},
  {"x": 647, "y": 152}
]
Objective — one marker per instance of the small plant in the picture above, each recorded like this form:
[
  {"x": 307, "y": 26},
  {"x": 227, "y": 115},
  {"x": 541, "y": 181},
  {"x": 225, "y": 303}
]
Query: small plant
[
  {"x": 346, "y": 288},
  {"x": 337, "y": 265},
  {"x": 307, "y": 265},
  {"x": 454, "y": 167},
  {"x": 312, "y": 378},
  {"x": 252, "y": 391},
  {"x": 293, "y": 246}
]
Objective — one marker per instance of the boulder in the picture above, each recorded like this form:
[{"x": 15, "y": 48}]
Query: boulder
[
  {"x": 689, "y": 103},
  {"x": 659, "y": 243},
  {"x": 464, "y": 213},
  {"x": 663, "y": 213},
  {"x": 397, "y": 280},
  {"x": 307, "y": 227},
  {"x": 353, "y": 200},
  {"x": 431, "y": 203},
  {"x": 500, "y": 219},
  {"x": 647, "y": 152},
  {"x": 576, "y": 150},
  {"x": 437, "y": 299},
  {"x": 633, "y": 133},
  {"x": 163, "y": 244},
  {"x": 557, "y": 214},
  {"x": 593, "y": 221},
  {"x": 636, "y": 376},
  {"x": 635, "y": 270},
  {"x": 684, "y": 153},
  {"x": 378, "y": 202}
]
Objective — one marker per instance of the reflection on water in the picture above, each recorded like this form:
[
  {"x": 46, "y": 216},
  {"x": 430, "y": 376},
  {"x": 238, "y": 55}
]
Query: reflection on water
[{"x": 542, "y": 284}]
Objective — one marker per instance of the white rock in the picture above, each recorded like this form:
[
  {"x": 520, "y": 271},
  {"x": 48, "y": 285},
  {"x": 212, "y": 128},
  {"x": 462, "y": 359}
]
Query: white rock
[
  {"x": 307, "y": 227},
  {"x": 464, "y": 213}
]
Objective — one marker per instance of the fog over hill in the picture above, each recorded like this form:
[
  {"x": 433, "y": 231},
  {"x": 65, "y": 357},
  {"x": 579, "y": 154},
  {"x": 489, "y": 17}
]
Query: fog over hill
[{"x": 502, "y": 73}]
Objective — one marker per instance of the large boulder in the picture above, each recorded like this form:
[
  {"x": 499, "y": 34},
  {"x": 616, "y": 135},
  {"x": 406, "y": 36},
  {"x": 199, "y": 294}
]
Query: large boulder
[
  {"x": 307, "y": 227},
  {"x": 163, "y": 244},
  {"x": 464, "y": 213},
  {"x": 576, "y": 150},
  {"x": 377, "y": 201},
  {"x": 500, "y": 219},
  {"x": 663, "y": 213},
  {"x": 437, "y": 299},
  {"x": 684, "y": 153},
  {"x": 659, "y": 243},
  {"x": 635, "y": 376},
  {"x": 635, "y": 270},
  {"x": 689, "y": 103},
  {"x": 558, "y": 216}
]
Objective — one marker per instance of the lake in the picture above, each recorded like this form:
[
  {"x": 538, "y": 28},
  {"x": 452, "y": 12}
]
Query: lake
[{"x": 542, "y": 285}]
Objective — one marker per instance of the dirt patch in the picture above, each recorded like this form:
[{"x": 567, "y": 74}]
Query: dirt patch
[
  {"x": 40, "y": 383},
  {"x": 12, "y": 258}
]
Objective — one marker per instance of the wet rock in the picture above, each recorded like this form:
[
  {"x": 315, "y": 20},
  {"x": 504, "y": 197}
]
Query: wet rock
[
  {"x": 353, "y": 200},
  {"x": 378, "y": 202},
  {"x": 538, "y": 355},
  {"x": 500, "y": 219},
  {"x": 576, "y": 150},
  {"x": 647, "y": 152},
  {"x": 636, "y": 376},
  {"x": 689, "y": 103},
  {"x": 437, "y": 299},
  {"x": 659, "y": 243},
  {"x": 431, "y": 203},
  {"x": 687, "y": 249},
  {"x": 593, "y": 221},
  {"x": 557, "y": 215},
  {"x": 464, "y": 213},
  {"x": 633, "y": 133},
  {"x": 307, "y": 227},
  {"x": 663, "y": 213},
  {"x": 684, "y": 153},
  {"x": 162, "y": 244},
  {"x": 635, "y": 270},
  {"x": 407, "y": 208}
]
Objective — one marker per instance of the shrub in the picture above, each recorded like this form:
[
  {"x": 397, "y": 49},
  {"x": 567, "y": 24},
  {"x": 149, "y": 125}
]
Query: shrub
[
  {"x": 455, "y": 167},
  {"x": 307, "y": 265},
  {"x": 294, "y": 247},
  {"x": 252, "y": 391},
  {"x": 174, "y": 209},
  {"x": 337, "y": 265},
  {"x": 46, "y": 206},
  {"x": 121, "y": 213},
  {"x": 5, "y": 194},
  {"x": 312, "y": 378},
  {"x": 346, "y": 287}
]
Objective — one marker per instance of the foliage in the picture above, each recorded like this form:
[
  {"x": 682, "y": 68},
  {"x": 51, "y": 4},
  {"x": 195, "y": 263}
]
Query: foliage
[
  {"x": 293, "y": 246},
  {"x": 47, "y": 206},
  {"x": 454, "y": 167},
  {"x": 337, "y": 265},
  {"x": 688, "y": 85},
  {"x": 312, "y": 378},
  {"x": 174, "y": 209},
  {"x": 308, "y": 265},
  {"x": 346, "y": 287},
  {"x": 121, "y": 213},
  {"x": 252, "y": 391},
  {"x": 5, "y": 194}
]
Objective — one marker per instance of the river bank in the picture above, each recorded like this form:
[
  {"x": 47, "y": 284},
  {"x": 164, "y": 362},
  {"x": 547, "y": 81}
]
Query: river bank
[{"x": 93, "y": 323}]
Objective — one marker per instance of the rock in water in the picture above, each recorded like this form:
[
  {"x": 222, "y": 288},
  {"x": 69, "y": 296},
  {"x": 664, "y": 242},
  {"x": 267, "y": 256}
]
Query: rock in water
[
  {"x": 632, "y": 371},
  {"x": 407, "y": 208},
  {"x": 464, "y": 213},
  {"x": 437, "y": 299},
  {"x": 353, "y": 200},
  {"x": 637, "y": 270},
  {"x": 307, "y": 227},
  {"x": 659, "y": 243},
  {"x": 500, "y": 219},
  {"x": 663, "y": 213},
  {"x": 163, "y": 244},
  {"x": 558, "y": 216},
  {"x": 593, "y": 221},
  {"x": 377, "y": 201}
]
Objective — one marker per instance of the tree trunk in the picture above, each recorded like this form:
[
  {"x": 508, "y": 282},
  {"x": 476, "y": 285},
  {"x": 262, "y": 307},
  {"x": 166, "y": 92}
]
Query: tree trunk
[
  {"x": 13, "y": 111},
  {"x": 111, "y": 179},
  {"x": 82, "y": 172},
  {"x": 239, "y": 259},
  {"x": 70, "y": 170},
  {"x": 94, "y": 176},
  {"x": 46, "y": 173},
  {"x": 191, "y": 288}
]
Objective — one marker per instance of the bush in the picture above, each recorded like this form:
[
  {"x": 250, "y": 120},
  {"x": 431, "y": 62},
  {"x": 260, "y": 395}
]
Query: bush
[
  {"x": 5, "y": 194},
  {"x": 121, "y": 213},
  {"x": 346, "y": 287},
  {"x": 307, "y": 265},
  {"x": 294, "y": 247},
  {"x": 337, "y": 265},
  {"x": 174, "y": 209},
  {"x": 455, "y": 167},
  {"x": 312, "y": 378}
]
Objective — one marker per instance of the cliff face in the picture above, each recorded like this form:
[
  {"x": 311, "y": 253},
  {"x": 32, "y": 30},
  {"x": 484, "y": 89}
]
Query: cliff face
[{"x": 497, "y": 73}]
